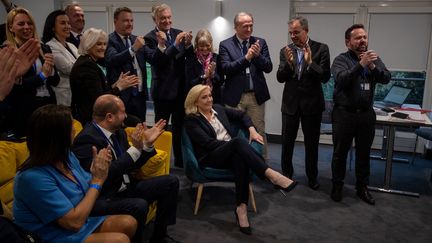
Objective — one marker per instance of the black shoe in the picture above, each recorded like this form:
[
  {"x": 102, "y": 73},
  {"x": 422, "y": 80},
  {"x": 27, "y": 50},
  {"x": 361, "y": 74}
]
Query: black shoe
[
  {"x": 286, "y": 189},
  {"x": 244, "y": 230},
  {"x": 165, "y": 239},
  {"x": 336, "y": 193},
  {"x": 363, "y": 194},
  {"x": 313, "y": 184}
]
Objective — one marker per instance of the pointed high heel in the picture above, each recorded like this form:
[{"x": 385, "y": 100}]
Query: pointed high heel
[
  {"x": 244, "y": 230},
  {"x": 286, "y": 189}
]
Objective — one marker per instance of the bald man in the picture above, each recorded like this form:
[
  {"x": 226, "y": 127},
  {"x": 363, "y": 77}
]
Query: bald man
[{"x": 121, "y": 192}]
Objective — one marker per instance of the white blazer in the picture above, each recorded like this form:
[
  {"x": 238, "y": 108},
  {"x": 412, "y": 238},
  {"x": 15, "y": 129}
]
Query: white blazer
[{"x": 63, "y": 60}]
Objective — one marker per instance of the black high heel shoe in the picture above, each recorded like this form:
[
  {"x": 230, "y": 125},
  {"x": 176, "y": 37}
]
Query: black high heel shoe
[
  {"x": 286, "y": 189},
  {"x": 244, "y": 230}
]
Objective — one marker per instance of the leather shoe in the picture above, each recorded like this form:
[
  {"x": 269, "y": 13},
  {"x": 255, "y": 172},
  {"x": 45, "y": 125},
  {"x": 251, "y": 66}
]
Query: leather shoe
[
  {"x": 363, "y": 194},
  {"x": 313, "y": 184},
  {"x": 245, "y": 230},
  {"x": 336, "y": 193}
]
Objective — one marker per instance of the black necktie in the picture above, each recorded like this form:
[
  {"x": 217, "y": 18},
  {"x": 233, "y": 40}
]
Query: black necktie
[{"x": 244, "y": 47}]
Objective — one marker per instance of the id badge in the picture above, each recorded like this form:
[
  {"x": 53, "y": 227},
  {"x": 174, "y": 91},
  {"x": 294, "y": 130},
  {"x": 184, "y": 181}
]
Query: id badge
[
  {"x": 366, "y": 86},
  {"x": 247, "y": 71}
]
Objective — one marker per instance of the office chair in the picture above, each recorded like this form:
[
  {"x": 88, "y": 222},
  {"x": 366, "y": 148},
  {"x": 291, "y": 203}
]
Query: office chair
[{"x": 206, "y": 175}]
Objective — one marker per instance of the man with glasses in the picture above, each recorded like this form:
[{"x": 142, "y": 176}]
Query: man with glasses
[
  {"x": 304, "y": 66},
  {"x": 243, "y": 60}
]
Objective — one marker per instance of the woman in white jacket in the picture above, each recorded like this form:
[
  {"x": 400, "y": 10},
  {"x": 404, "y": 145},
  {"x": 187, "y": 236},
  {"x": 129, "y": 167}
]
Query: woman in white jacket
[{"x": 56, "y": 30}]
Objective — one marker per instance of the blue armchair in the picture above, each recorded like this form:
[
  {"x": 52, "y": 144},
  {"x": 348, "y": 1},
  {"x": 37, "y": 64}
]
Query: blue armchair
[{"x": 205, "y": 175}]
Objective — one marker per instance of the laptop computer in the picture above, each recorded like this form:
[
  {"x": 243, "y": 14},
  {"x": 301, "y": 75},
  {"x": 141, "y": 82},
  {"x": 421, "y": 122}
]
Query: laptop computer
[{"x": 394, "y": 98}]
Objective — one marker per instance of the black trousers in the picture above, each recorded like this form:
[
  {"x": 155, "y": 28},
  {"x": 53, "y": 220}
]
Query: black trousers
[
  {"x": 347, "y": 126},
  {"x": 175, "y": 110},
  {"x": 311, "y": 125},
  {"x": 136, "y": 198},
  {"x": 240, "y": 157}
]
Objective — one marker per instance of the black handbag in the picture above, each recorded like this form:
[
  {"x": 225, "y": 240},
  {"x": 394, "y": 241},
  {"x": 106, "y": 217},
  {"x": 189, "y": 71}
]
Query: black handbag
[{"x": 12, "y": 233}]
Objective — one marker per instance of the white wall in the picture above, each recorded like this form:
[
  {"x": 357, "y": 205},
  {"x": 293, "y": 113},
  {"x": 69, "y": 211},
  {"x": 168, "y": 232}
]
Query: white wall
[
  {"x": 270, "y": 22},
  {"x": 38, "y": 8}
]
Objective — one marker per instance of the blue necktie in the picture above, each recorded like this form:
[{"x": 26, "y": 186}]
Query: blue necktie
[
  {"x": 244, "y": 47},
  {"x": 169, "y": 39},
  {"x": 126, "y": 39},
  {"x": 116, "y": 145}
]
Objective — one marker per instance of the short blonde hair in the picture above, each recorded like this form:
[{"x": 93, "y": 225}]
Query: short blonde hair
[
  {"x": 204, "y": 36},
  {"x": 90, "y": 38},
  {"x": 192, "y": 97},
  {"x": 156, "y": 9}
]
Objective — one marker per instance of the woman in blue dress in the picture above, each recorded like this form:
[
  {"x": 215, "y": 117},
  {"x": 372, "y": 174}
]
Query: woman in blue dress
[{"x": 54, "y": 195}]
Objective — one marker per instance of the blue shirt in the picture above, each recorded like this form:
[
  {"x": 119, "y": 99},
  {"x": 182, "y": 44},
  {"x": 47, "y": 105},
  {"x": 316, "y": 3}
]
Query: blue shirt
[{"x": 43, "y": 195}]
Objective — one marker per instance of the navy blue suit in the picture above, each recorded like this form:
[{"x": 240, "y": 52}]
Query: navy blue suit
[
  {"x": 168, "y": 85},
  {"x": 118, "y": 59},
  {"x": 233, "y": 65},
  {"x": 135, "y": 199}
]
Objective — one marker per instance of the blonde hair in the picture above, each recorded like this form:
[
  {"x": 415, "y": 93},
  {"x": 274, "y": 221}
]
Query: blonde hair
[
  {"x": 9, "y": 22},
  {"x": 156, "y": 9},
  {"x": 192, "y": 97},
  {"x": 90, "y": 38},
  {"x": 204, "y": 37}
]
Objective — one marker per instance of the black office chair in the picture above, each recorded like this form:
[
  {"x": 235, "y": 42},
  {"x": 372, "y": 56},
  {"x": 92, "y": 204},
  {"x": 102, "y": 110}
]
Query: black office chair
[{"x": 423, "y": 132}]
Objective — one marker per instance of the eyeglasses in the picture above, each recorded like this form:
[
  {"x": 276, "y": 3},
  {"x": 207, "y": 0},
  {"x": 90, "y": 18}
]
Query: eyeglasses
[{"x": 295, "y": 33}]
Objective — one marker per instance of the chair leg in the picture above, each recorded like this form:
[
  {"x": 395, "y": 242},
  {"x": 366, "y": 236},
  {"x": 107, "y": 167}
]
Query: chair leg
[
  {"x": 198, "y": 198},
  {"x": 414, "y": 152},
  {"x": 252, "y": 198}
]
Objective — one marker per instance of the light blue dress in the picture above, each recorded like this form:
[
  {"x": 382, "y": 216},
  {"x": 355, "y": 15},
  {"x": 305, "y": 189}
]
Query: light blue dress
[{"x": 43, "y": 194}]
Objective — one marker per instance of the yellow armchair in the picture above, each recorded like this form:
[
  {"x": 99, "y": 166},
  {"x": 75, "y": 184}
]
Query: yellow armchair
[{"x": 158, "y": 165}]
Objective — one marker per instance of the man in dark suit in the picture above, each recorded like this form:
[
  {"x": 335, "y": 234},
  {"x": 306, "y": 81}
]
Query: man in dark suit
[
  {"x": 243, "y": 60},
  {"x": 122, "y": 193},
  {"x": 168, "y": 72},
  {"x": 304, "y": 65},
  {"x": 76, "y": 21},
  {"x": 127, "y": 53}
]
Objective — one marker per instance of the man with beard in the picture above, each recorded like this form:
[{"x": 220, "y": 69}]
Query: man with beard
[{"x": 356, "y": 72}]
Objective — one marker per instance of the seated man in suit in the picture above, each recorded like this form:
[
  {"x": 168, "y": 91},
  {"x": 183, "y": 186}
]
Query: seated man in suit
[
  {"x": 121, "y": 192},
  {"x": 127, "y": 53}
]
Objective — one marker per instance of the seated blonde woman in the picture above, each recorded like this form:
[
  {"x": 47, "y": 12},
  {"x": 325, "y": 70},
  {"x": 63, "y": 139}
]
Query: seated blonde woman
[
  {"x": 208, "y": 127},
  {"x": 54, "y": 195}
]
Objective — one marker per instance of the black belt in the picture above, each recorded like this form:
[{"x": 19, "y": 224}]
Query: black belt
[{"x": 352, "y": 109}]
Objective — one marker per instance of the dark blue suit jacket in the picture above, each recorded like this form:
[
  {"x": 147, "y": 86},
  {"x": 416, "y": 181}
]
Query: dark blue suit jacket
[
  {"x": 202, "y": 134},
  {"x": 73, "y": 40},
  {"x": 233, "y": 65},
  {"x": 90, "y": 136},
  {"x": 168, "y": 68},
  {"x": 118, "y": 60}
]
